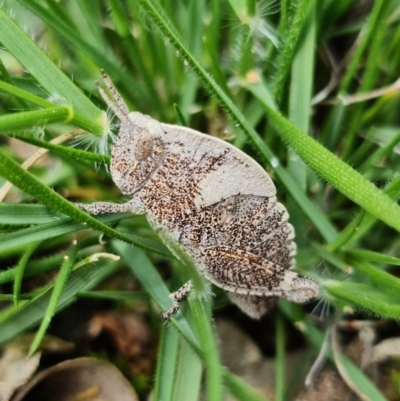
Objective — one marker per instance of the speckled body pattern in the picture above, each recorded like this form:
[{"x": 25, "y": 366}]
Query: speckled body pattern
[{"x": 214, "y": 202}]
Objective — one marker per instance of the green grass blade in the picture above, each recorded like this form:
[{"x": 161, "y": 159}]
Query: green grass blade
[
  {"x": 339, "y": 174},
  {"x": 20, "y": 269},
  {"x": 189, "y": 370},
  {"x": 215, "y": 388},
  {"x": 20, "y": 93},
  {"x": 32, "y": 268},
  {"x": 364, "y": 298},
  {"x": 286, "y": 53},
  {"x": 37, "y": 118},
  {"x": 56, "y": 293},
  {"x": 300, "y": 111},
  {"x": 64, "y": 150},
  {"x": 97, "y": 56},
  {"x": 166, "y": 364},
  {"x": 46, "y": 72},
  {"x": 22, "y": 179},
  {"x": 32, "y": 312},
  {"x": 372, "y": 256},
  {"x": 16, "y": 239},
  {"x": 363, "y": 222},
  {"x": 240, "y": 390},
  {"x": 377, "y": 276},
  {"x": 151, "y": 281}
]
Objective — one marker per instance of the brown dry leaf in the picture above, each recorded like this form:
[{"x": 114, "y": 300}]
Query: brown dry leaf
[
  {"x": 15, "y": 370},
  {"x": 387, "y": 349},
  {"x": 131, "y": 335},
  {"x": 81, "y": 379}
]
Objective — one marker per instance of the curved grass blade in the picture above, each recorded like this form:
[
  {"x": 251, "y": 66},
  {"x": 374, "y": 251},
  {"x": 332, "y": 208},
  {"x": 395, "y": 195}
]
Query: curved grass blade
[
  {"x": 22, "y": 179},
  {"x": 20, "y": 269},
  {"x": 29, "y": 314}
]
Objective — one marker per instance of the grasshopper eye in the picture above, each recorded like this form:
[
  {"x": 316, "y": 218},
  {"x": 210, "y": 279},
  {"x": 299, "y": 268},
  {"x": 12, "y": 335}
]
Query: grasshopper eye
[{"x": 143, "y": 146}]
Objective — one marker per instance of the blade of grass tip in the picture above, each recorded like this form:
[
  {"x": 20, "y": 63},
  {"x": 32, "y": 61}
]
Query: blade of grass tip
[
  {"x": 339, "y": 174},
  {"x": 59, "y": 285},
  {"x": 377, "y": 276},
  {"x": 240, "y": 390},
  {"x": 20, "y": 269},
  {"x": 28, "y": 183},
  {"x": 166, "y": 364},
  {"x": 279, "y": 359},
  {"x": 14, "y": 322},
  {"x": 25, "y": 50},
  {"x": 372, "y": 256},
  {"x": 354, "y": 377},
  {"x": 207, "y": 337},
  {"x": 153, "y": 11},
  {"x": 364, "y": 298},
  {"x": 363, "y": 222},
  {"x": 20, "y": 93},
  {"x": 37, "y": 118},
  {"x": 180, "y": 117},
  {"x": 64, "y": 150}
]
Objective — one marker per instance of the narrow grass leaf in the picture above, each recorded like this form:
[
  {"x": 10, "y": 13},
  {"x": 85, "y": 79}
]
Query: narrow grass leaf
[
  {"x": 37, "y": 118},
  {"x": 32, "y": 268},
  {"x": 20, "y": 270},
  {"x": 32, "y": 312},
  {"x": 166, "y": 364},
  {"x": 365, "y": 298},
  {"x": 339, "y": 174},
  {"x": 240, "y": 390},
  {"x": 377, "y": 276},
  {"x": 371, "y": 256},
  {"x": 187, "y": 384},
  {"x": 56, "y": 293},
  {"x": 24, "y": 180},
  {"x": 15, "y": 239},
  {"x": 20, "y": 93},
  {"x": 207, "y": 337},
  {"x": 64, "y": 150},
  {"x": 286, "y": 53},
  {"x": 151, "y": 281},
  {"x": 45, "y": 71}
]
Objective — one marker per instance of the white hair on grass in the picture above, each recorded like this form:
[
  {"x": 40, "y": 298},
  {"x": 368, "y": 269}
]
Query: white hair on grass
[
  {"x": 58, "y": 99},
  {"x": 324, "y": 307}
]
